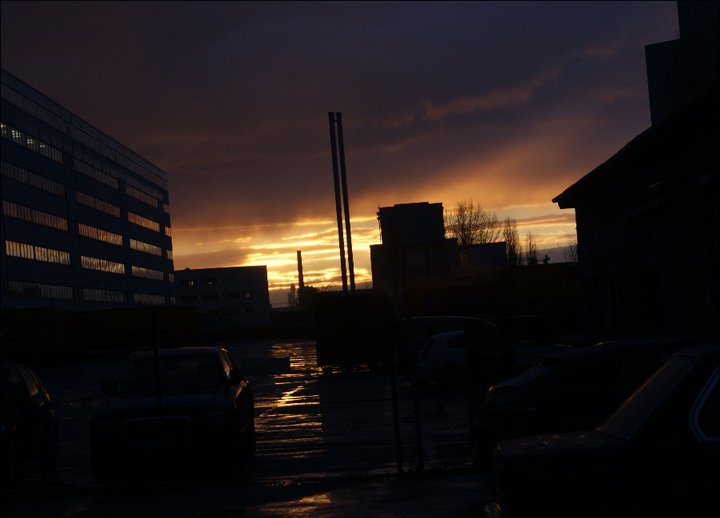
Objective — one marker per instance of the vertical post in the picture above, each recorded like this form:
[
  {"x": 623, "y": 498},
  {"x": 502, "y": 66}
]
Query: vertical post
[
  {"x": 346, "y": 204},
  {"x": 301, "y": 280},
  {"x": 338, "y": 208}
]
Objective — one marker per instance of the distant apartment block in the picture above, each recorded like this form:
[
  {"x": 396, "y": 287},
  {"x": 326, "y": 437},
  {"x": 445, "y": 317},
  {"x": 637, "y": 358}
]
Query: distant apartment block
[
  {"x": 236, "y": 296},
  {"x": 85, "y": 220}
]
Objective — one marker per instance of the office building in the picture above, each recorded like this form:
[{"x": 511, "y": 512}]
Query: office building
[{"x": 85, "y": 220}]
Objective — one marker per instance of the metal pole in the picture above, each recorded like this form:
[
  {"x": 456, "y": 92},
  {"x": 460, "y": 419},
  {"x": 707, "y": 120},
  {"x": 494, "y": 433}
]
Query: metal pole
[
  {"x": 301, "y": 279},
  {"x": 346, "y": 204},
  {"x": 338, "y": 208}
]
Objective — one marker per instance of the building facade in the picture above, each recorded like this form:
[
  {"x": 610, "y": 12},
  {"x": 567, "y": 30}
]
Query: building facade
[
  {"x": 227, "y": 297},
  {"x": 648, "y": 219},
  {"x": 85, "y": 221}
]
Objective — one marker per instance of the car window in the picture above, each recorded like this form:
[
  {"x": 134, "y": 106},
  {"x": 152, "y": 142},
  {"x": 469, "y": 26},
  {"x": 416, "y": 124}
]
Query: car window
[
  {"x": 30, "y": 382},
  {"x": 626, "y": 421},
  {"x": 16, "y": 389},
  {"x": 227, "y": 363},
  {"x": 177, "y": 373},
  {"x": 706, "y": 411}
]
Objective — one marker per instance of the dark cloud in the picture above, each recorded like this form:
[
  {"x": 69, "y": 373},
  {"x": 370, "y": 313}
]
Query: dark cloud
[{"x": 231, "y": 98}]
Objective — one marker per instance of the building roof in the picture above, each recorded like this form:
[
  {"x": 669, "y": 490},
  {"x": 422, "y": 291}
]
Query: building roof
[{"x": 696, "y": 122}]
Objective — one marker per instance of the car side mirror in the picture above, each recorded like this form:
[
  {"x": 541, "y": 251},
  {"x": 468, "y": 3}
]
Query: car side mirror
[{"x": 107, "y": 387}]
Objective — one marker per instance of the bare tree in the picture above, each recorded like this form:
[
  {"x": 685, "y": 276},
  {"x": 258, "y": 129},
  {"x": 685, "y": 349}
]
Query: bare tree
[
  {"x": 571, "y": 252},
  {"x": 531, "y": 253},
  {"x": 512, "y": 241},
  {"x": 470, "y": 224}
]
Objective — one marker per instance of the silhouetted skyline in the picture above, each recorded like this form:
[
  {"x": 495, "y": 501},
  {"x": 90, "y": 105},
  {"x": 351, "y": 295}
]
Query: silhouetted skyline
[{"x": 504, "y": 103}]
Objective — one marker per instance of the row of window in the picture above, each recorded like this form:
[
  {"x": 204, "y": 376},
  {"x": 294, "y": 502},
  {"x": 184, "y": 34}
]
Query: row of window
[
  {"x": 143, "y": 186},
  {"x": 86, "y": 134},
  {"x": 23, "y": 139},
  {"x": 111, "y": 296},
  {"x": 101, "y": 265},
  {"x": 216, "y": 296},
  {"x": 36, "y": 290},
  {"x": 36, "y": 253},
  {"x": 99, "y": 234},
  {"x": 96, "y": 174},
  {"x": 147, "y": 273},
  {"x": 13, "y": 210},
  {"x": 143, "y": 221},
  {"x": 50, "y": 255},
  {"x": 139, "y": 195},
  {"x": 144, "y": 298},
  {"x": 98, "y": 204},
  {"x": 16, "y": 211},
  {"x": 34, "y": 180},
  {"x": 142, "y": 246}
]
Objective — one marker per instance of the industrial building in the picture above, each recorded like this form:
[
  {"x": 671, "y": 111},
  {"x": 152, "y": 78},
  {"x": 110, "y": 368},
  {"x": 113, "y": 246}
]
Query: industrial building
[
  {"x": 226, "y": 297},
  {"x": 85, "y": 221}
]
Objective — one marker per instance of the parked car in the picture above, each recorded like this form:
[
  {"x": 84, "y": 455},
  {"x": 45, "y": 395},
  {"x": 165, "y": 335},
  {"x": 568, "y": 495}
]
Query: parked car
[
  {"x": 570, "y": 390},
  {"x": 28, "y": 426},
  {"x": 657, "y": 455},
  {"x": 442, "y": 360},
  {"x": 191, "y": 407}
]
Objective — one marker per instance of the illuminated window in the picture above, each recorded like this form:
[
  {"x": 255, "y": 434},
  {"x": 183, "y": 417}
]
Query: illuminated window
[
  {"x": 147, "y": 273},
  {"x": 143, "y": 221},
  {"x": 144, "y": 298},
  {"x": 168, "y": 233},
  {"x": 99, "y": 234},
  {"x": 22, "y": 139},
  {"x": 34, "y": 180},
  {"x": 96, "y": 174},
  {"x": 139, "y": 195},
  {"x": 141, "y": 246},
  {"x": 97, "y": 204},
  {"x": 34, "y": 290},
  {"x": 16, "y": 211},
  {"x": 110, "y": 296},
  {"x": 101, "y": 265},
  {"x": 169, "y": 254},
  {"x": 36, "y": 253}
]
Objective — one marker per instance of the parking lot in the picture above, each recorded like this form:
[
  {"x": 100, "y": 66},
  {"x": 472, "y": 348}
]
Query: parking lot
[{"x": 310, "y": 424}]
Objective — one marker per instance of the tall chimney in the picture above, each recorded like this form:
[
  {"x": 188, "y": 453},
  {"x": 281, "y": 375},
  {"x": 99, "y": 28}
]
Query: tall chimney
[
  {"x": 346, "y": 204},
  {"x": 301, "y": 282},
  {"x": 338, "y": 206}
]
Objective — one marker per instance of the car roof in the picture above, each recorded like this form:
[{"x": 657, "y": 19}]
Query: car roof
[
  {"x": 178, "y": 351},
  {"x": 591, "y": 353},
  {"x": 447, "y": 334}
]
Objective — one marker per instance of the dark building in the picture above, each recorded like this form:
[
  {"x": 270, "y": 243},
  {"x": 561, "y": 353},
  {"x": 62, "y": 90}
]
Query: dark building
[
  {"x": 414, "y": 248},
  {"x": 227, "y": 297},
  {"x": 85, "y": 221},
  {"x": 677, "y": 68},
  {"x": 648, "y": 219}
]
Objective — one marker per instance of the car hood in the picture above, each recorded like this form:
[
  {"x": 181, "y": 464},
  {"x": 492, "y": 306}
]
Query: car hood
[
  {"x": 145, "y": 405},
  {"x": 557, "y": 451}
]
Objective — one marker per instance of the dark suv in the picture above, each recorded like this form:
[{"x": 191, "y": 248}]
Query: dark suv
[
  {"x": 177, "y": 408},
  {"x": 570, "y": 390},
  {"x": 28, "y": 426},
  {"x": 657, "y": 455}
]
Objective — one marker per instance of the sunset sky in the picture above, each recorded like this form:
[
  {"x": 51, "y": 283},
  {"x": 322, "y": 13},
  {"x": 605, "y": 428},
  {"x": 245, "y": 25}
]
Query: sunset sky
[{"x": 504, "y": 103}]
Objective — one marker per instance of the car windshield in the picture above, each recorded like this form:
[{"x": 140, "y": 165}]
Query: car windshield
[
  {"x": 177, "y": 373},
  {"x": 628, "y": 419}
]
